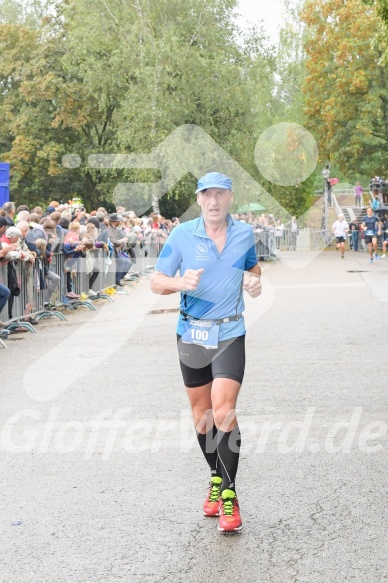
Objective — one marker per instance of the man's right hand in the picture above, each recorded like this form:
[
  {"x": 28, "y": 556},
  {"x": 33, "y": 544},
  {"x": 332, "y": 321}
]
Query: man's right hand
[{"x": 191, "y": 278}]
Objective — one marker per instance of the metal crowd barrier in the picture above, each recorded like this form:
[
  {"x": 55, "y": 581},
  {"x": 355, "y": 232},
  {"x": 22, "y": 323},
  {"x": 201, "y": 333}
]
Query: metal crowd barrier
[
  {"x": 74, "y": 277},
  {"x": 23, "y": 310},
  {"x": 269, "y": 243},
  {"x": 265, "y": 245},
  {"x": 305, "y": 239},
  {"x": 27, "y": 308}
]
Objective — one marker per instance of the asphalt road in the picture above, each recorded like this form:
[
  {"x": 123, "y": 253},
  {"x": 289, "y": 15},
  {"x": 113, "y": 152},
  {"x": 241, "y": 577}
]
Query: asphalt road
[{"x": 101, "y": 478}]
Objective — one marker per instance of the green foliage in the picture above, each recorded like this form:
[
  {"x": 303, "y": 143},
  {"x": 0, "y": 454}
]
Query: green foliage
[
  {"x": 82, "y": 78},
  {"x": 346, "y": 85}
]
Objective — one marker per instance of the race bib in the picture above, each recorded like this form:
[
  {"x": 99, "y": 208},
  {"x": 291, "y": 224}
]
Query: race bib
[
  {"x": 201, "y": 332},
  {"x": 369, "y": 232}
]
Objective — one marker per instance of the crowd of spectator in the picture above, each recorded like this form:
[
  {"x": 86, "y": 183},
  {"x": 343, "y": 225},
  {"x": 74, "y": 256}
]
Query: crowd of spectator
[{"x": 33, "y": 235}]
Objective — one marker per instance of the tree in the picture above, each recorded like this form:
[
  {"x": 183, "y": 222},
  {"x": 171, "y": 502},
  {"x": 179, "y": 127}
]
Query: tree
[
  {"x": 176, "y": 66},
  {"x": 381, "y": 7},
  {"x": 346, "y": 86},
  {"x": 118, "y": 78}
]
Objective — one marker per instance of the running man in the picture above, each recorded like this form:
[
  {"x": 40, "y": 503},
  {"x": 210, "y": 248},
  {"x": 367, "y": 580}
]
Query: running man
[
  {"x": 216, "y": 257},
  {"x": 370, "y": 226},
  {"x": 340, "y": 230}
]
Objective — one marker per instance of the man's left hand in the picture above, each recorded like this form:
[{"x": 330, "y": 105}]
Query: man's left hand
[{"x": 252, "y": 285}]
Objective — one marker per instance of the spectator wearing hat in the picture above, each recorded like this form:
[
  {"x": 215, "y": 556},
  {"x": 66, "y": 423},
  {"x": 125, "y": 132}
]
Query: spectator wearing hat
[
  {"x": 118, "y": 239},
  {"x": 49, "y": 210}
]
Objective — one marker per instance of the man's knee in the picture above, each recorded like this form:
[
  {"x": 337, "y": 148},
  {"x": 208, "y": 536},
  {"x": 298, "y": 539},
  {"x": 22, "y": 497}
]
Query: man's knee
[
  {"x": 203, "y": 419},
  {"x": 224, "y": 416}
]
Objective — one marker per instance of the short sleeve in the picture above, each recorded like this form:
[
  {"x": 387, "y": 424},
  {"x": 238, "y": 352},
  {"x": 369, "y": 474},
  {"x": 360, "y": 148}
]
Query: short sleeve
[
  {"x": 251, "y": 258},
  {"x": 170, "y": 258}
]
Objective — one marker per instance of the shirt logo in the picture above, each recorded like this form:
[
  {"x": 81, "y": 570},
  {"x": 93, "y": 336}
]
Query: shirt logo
[{"x": 201, "y": 249}]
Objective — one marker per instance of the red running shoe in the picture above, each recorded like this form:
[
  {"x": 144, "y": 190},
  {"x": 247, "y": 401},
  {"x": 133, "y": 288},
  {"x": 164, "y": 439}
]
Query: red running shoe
[
  {"x": 230, "y": 519},
  {"x": 211, "y": 506}
]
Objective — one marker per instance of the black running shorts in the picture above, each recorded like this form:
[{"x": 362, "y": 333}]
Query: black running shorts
[
  {"x": 200, "y": 365},
  {"x": 369, "y": 238},
  {"x": 341, "y": 239}
]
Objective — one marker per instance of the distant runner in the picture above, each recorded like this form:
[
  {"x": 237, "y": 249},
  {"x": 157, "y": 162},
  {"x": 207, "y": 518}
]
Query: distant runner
[
  {"x": 370, "y": 226},
  {"x": 340, "y": 229}
]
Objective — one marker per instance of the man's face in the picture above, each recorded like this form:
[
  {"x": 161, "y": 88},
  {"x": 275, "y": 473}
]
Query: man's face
[
  {"x": 215, "y": 204},
  {"x": 14, "y": 239},
  {"x": 369, "y": 212}
]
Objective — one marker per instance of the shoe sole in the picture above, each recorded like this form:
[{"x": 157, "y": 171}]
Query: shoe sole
[
  {"x": 212, "y": 515},
  {"x": 234, "y": 531}
]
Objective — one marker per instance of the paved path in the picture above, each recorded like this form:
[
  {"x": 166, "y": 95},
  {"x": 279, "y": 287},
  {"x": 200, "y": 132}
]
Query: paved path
[{"x": 122, "y": 502}]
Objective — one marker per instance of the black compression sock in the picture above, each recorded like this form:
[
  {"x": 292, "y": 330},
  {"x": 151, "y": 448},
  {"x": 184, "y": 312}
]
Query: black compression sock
[
  {"x": 229, "y": 452},
  {"x": 208, "y": 443}
]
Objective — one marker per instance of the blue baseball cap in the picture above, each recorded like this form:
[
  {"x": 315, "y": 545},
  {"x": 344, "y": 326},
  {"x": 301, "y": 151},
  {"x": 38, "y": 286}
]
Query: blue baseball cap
[{"x": 214, "y": 180}]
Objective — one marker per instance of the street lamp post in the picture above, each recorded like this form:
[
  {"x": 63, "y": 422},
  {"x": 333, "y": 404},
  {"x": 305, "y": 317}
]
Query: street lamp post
[{"x": 326, "y": 175}]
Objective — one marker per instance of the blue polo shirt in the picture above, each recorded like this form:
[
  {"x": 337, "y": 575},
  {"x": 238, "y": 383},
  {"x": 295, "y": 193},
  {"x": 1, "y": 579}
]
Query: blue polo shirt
[{"x": 220, "y": 292}]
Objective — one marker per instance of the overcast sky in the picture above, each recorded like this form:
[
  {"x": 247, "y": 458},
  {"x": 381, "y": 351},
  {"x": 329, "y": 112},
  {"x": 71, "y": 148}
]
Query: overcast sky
[{"x": 270, "y": 11}]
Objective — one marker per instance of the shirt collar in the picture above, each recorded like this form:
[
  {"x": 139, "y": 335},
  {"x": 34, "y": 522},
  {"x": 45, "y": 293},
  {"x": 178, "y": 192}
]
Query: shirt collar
[{"x": 201, "y": 231}]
